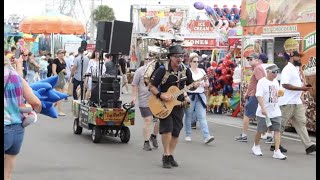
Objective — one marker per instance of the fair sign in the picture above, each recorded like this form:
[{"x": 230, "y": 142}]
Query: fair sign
[
  {"x": 203, "y": 26},
  {"x": 280, "y": 29},
  {"x": 309, "y": 41}
]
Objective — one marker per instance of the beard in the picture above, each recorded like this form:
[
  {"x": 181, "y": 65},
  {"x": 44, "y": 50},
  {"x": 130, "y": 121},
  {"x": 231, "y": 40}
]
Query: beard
[{"x": 296, "y": 63}]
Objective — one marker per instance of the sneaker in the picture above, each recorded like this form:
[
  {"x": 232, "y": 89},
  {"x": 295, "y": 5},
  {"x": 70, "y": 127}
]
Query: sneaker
[
  {"x": 278, "y": 155},
  {"x": 166, "y": 162},
  {"x": 256, "y": 150},
  {"x": 269, "y": 140},
  {"x": 209, "y": 139},
  {"x": 153, "y": 139},
  {"x": 194, "y": 125},
  {"x": 172, "y": 161},
  {"x": 188, "y": 139},
  {"x": 265, "y": 136},
  {"x": 146, "y": 146},
  {"x": 241, "y": 138},
  {"x": 311, "y": 149},
  {"x": 282, "y": 149}
]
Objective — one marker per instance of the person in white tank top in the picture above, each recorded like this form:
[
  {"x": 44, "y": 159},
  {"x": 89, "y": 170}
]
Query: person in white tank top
[{"x": 198, "y": 103}]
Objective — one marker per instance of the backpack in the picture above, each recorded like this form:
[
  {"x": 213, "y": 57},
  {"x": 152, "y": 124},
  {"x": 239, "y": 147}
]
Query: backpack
[{"x": 154, "y": 65}]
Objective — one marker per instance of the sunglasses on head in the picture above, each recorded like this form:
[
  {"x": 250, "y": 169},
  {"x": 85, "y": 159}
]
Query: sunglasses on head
[{"x": 178, "y": 55}]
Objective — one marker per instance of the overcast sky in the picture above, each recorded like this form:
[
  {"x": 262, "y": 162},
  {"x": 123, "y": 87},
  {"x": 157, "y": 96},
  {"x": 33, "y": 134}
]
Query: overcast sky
[{"x": 120, "y": 7}]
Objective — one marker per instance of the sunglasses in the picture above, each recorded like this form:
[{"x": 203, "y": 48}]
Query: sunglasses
[
  {"x": 178, "y": 55},
  {"x": 250, "y": 59},
  {"x": 25, "y": 55},
  {"x": 195, "y": 61},
  {"x": 275, "y": 72}
]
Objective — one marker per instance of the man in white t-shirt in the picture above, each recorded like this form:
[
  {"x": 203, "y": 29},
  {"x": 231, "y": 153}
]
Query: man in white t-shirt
[
  {"x": 290, "y": 103},
  {"x": 268, "y": 108}
]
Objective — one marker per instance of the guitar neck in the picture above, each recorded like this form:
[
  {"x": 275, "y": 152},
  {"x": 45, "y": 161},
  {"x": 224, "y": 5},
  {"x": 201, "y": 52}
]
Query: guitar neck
[{"x": 185, "y": 89}]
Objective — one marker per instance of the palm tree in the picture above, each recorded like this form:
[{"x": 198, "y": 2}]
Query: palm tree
[{"x": 103, "y": 13}]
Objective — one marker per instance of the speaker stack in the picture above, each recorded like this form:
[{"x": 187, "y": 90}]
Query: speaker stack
[{"x": 113, "y": 38}]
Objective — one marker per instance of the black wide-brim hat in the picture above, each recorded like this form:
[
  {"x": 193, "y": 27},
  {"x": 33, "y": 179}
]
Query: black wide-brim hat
[{"x": 176, "y": 49}]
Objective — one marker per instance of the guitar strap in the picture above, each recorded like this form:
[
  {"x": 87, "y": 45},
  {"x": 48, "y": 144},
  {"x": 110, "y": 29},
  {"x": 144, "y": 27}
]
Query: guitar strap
[{"x": 182, "y": 75}]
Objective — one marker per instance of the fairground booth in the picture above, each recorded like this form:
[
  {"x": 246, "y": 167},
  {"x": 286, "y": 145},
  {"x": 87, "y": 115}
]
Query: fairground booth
[{"x": 276, "y": 27}]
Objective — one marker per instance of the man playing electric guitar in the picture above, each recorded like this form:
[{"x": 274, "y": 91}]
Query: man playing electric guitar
[{"x": 162, "y": 79}]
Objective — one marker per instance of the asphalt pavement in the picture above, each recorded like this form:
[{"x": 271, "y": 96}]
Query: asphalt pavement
[{"x": 52, "y": 152}]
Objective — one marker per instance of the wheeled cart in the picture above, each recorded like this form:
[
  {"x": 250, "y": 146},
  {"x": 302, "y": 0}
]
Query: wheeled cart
[{"x": 103, "y": 121}]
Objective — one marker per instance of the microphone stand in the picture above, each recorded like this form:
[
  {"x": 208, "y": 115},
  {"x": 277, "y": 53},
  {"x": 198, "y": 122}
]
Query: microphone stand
[{"x": 82, "y": 83}]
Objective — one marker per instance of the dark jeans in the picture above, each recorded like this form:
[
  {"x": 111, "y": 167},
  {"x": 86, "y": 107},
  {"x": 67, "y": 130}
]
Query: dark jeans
[{"x": 76, "y": 83}]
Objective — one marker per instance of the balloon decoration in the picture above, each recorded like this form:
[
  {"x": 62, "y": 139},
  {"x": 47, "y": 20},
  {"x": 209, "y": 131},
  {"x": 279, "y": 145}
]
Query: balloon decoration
[
  {"x": 221, "y": 81},
  {"x": 198, "y": 5},
  {"x": 226, "y": 17}
]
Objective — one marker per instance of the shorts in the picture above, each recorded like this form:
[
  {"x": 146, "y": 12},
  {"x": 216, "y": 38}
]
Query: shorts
[
  {"x": 13, "y": 138},
  {"x": 173, "y": 123},
  {"x": 124, "y": 79},
  {"x": 262, "y": 126},
  {"x": 145, "y": 112},
  {"x": 90, "y": 83},
  {"x": 251, "y": 106}
]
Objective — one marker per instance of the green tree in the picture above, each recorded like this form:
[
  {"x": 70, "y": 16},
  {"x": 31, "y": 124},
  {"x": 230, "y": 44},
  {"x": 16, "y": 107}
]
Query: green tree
[{"x": 103, "y": 13}]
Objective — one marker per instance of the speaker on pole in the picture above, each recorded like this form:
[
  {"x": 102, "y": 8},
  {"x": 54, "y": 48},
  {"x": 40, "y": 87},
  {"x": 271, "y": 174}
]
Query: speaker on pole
[
  {"x": 120, "y": 39},
  {"x": 103, "y": 36}
]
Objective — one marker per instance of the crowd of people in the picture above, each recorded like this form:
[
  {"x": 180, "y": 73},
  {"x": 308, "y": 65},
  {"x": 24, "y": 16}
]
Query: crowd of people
[{"x": 273, "y": 101}]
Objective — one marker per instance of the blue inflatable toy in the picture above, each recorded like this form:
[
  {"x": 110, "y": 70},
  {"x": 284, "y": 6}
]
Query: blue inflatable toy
[{"x": 44, "y": 91}]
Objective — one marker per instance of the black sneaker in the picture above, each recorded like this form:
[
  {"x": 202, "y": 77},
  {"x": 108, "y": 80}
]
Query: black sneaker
[
  {"x": 166, "y": 162},
  {"x": 241, "y": 138},
  {"x": 282, "y": 149},
  {"x": 146, "y": 146},
  {"x": 153, "y": 139},
  {"x": 172, "y": 161},
  {"x": 194, "y": 125},
  {"x": 311, "y": 149}
]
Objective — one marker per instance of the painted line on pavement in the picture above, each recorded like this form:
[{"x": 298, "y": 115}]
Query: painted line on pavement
[{"x": 253, "y": 130}]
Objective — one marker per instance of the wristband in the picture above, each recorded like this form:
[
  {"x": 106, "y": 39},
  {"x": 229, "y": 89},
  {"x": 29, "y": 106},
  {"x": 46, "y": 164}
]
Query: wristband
[{"x": 158, "y": 95}]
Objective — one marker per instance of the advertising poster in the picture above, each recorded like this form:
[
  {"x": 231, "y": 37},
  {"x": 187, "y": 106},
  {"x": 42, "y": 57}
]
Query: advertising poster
[
  {"x": 159, "y": 18},
  {"x": 270, "y": 12}
]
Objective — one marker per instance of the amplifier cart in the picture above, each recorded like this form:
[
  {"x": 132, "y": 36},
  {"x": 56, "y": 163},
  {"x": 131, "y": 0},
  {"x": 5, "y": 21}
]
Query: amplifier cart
[{"x": 103, "y": 121}]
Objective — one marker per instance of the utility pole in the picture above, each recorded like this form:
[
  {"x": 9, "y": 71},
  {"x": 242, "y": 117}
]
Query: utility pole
[{"x": 92, "y": 26}]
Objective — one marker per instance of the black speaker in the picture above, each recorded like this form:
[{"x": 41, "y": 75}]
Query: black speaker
[
  {"x": 120, "y": 39},
  {"x": 110, "y": 90},
  {"x": 103, "y": 36}
]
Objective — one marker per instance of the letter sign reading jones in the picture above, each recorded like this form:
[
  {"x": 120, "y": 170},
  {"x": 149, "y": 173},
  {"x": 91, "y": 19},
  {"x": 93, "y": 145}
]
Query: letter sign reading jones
[
  {"x": 309, "y": 41},
  {"x": 202, "y": 42}
]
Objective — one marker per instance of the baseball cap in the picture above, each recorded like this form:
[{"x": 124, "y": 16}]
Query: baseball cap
[
  {"x": 295, "y": 53},
  {"x": 263, "y": 57},
  {"x": 273, "y": 68},
  {"x": 61, "y": 51},
  {"x": 193, "y": 55},
  {"x": 253, "y": 55}
]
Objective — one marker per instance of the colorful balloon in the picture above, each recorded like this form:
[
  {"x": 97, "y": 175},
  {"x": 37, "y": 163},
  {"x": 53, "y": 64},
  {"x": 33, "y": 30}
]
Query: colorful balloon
[{"x": 198, "y": 5}]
